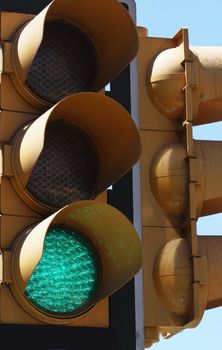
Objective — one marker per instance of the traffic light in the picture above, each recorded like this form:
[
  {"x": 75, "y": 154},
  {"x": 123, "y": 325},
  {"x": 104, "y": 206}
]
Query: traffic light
[
  {"x": 179, "y": 87},
  {"x": 62, "y": 144}
]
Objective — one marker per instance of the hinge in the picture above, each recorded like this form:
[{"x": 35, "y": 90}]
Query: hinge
[
  {"x": 5, "y": 266},
  {"x": 7, "y": 66},
  {"x": 200, "y": 269},
  {"x": 195, "y": 170},
  {"x": 6, "y": 161}
]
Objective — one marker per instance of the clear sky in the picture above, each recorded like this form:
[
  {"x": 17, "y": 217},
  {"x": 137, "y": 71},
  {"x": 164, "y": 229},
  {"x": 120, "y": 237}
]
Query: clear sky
[{"x": 203, "y": 18}]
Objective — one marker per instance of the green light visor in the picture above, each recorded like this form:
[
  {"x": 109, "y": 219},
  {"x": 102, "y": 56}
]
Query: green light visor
[{"x": 67, "y": 279}]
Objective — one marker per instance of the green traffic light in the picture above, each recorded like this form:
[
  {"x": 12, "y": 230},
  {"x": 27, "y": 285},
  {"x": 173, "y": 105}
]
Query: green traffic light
[{"x": 67, "y": 278}]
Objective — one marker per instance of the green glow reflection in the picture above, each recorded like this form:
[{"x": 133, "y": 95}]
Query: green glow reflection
[{"x": 67, "y": 277}]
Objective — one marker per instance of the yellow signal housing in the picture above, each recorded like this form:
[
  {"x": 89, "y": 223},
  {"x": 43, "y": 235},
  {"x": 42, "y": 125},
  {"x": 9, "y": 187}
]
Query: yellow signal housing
[
  {"x": 115, "y": 245},
  {"x": 82, "y": 31},
  {"x": 62, "y": 145},
  {"x": 112, "y": 155},
  {"x": 178, "y": 87}
]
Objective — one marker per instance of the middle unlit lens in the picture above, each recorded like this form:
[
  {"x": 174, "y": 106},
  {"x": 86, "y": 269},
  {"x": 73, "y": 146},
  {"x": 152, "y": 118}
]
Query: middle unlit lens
[{"x": 67, "y": 170}]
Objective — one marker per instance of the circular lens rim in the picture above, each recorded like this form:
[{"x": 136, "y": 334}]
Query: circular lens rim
[
  {"x": 99, "y": 276},
  {"x": 29, "y": 96},
  {"x": 22, "y": 191},
  {"x": 32, "y": 309}
]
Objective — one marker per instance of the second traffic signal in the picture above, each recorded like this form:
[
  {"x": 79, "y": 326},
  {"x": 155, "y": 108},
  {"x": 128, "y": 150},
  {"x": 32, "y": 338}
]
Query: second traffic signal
[{"x": 179, "y": 87}]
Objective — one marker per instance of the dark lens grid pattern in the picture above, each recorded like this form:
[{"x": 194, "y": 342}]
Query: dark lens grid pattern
[
  {"x": 65, "y": 63},
  {"x": 67, "y": 170}
]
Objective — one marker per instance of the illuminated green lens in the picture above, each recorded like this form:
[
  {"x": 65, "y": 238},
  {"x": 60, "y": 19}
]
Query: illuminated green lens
[{"x": 66, "y": 279}]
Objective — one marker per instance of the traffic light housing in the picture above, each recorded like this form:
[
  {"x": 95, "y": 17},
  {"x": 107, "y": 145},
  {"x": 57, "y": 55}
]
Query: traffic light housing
[
  {"x": 61, "y": 146},
  {"x": 178, "y": 88},
  {"x": 71, "y": 52},
  {"x": 76, "y": 262}
]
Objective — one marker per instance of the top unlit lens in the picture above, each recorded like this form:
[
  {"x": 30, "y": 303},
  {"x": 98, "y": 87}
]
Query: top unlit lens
[{"x": 65, "y": 63}]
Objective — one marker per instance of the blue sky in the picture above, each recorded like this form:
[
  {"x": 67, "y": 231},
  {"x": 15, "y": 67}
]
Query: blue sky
[{"x": 203, "y": 18}]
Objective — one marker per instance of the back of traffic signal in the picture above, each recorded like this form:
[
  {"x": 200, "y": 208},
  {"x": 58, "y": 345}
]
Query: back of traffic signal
[
  {"x": 179, "y": 86},
  {"x": 62, "y": 145}
]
